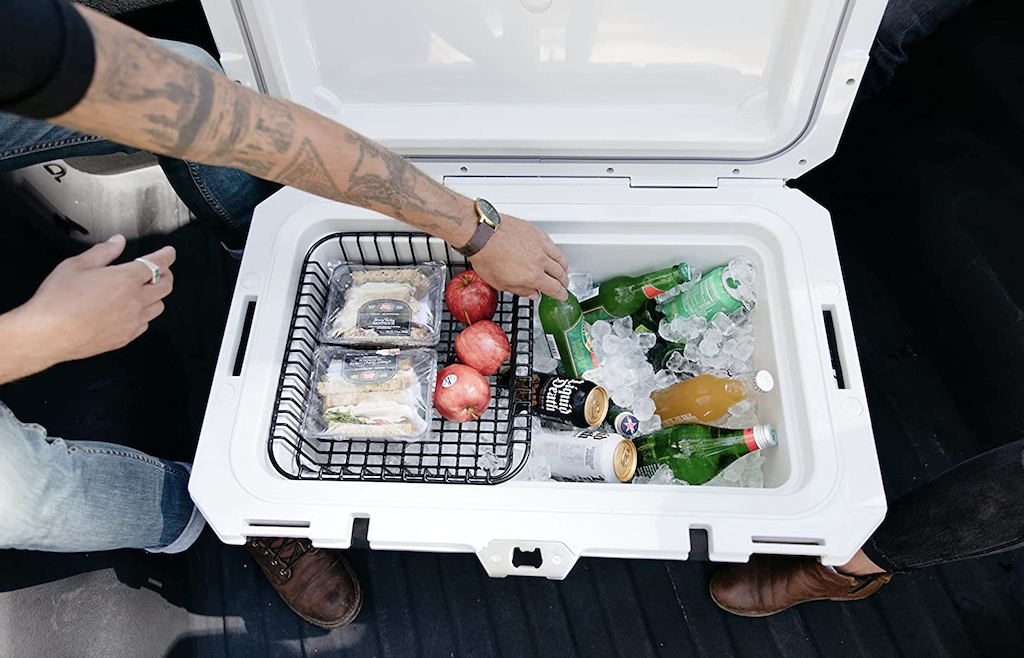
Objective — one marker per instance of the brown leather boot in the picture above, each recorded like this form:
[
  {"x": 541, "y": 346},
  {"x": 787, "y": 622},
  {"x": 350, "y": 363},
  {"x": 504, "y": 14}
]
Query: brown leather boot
[
  {"x": 770, "y": 583},
  {"x": 316, "y": 583}
]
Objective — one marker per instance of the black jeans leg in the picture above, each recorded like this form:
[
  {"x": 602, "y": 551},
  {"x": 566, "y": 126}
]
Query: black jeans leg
[{"x": 973, "y": 509}]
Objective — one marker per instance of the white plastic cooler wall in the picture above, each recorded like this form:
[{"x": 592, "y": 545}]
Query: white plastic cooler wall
[{"x": 823, "y": 494}]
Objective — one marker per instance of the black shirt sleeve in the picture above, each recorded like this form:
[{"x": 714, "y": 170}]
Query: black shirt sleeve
[{"x": 47, "y": 57}]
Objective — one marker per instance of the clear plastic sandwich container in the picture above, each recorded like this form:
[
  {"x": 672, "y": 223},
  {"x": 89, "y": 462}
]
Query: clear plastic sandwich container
[
  {"x": 383, "y": 395},
  {"x": 384, "y": 306}
]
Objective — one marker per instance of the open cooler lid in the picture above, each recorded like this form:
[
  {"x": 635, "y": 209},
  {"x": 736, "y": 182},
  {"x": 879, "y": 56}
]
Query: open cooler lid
[{"x": 736, "y": 81}]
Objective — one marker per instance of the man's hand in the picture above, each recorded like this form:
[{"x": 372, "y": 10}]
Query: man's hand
[
  {"x": 522, "y": 259},
  {"x": 84, "y": 308}
]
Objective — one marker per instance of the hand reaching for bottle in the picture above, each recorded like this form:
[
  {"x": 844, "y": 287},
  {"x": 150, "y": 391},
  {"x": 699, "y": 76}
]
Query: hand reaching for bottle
[
  {"x": 87, "y": 306},
  {"x": 522, "y": 259}
]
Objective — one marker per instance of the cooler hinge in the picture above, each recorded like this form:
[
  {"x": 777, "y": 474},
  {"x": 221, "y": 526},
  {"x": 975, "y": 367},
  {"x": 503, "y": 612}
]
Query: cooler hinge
[{"x": 673, "y": 182}]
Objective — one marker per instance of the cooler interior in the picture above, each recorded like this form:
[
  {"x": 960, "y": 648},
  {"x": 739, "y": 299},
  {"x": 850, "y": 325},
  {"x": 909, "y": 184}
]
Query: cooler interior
[{"x": 462, "y": 453}]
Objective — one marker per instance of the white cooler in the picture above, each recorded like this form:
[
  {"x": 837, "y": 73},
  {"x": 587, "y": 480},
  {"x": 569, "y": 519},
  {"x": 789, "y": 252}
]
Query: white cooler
[{"x": 638, "y": 134}]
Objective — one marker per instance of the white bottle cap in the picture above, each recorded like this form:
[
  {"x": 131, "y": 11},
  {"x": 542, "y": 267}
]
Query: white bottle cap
[
  {"x": 763, "y": 381},
  {"x": 765, "y": 436}
]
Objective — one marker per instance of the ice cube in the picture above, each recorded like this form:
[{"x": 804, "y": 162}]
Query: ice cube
[
  {"x": 723, "y": 323},
  {"x": 741, "y": 317},
  {"x": 600, "y": 329},
  {"x": 709, "y": 347},
  {"x": 669, "y": 294},
  {"x": 743, "y": 270},
  {"x": 544, "y": 363},
  {"x": 643, "y": 409},
  {"x": 538, "y": 469},
  {"x": 717, "y": 362},
  {"x": 664, "y": 475},
  {"x": 623, "y": 396},
  {"x": 692, "y": 369},
  {"x": 676, "y": 362},
  {"x": 693, "y": 328},
  {"x": 692, "y": 352},
  {"x": 664, "y": 379},
  {"x": 487, "y": 460},
  {"x": 648, "y": 426},
  {"x": 646, "y": 340},
  {"x": 745, "y": 347},
  {"x": 741, "y": 408},
  {"x": 580, "y": 283},
  {"x": 611, "y": 344},
  {"x": 715, "y": 335},
  {"x": 623, "y": 327}
]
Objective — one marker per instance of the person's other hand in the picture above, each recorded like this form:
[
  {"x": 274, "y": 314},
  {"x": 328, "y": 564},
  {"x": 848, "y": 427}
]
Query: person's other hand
[
  {"x": 522, "y": 259},
  {"x": 87, "y": 306}
]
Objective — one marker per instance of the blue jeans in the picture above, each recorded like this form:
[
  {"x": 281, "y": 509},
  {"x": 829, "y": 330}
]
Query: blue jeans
[
  {"x": 74, "y": 496},
  {"x": 77, "y": 496},
  {"x": 904, "y": 23},
  {"x": 223, "y": 199}
]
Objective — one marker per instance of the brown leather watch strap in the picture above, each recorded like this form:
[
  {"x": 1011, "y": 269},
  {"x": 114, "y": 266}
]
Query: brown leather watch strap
[{"x": 484, "y": 231}]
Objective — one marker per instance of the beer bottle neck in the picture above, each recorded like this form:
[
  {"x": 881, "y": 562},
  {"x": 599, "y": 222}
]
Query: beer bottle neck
[{"x": 655, "y": 283}]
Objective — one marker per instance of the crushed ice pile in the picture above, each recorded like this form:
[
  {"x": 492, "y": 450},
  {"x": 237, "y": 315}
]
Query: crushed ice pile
[{"x": 723, "y": 347}]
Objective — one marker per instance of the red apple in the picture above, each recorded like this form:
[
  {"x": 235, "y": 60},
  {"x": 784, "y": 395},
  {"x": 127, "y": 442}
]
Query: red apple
[
  {"x": 470, "y": 298},
  {"x": 483, "y": 346},
  {"x": 461, "y": 394}
]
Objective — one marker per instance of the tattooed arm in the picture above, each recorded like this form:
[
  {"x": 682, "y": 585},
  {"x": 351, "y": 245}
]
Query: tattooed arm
[{"x": 145, "y": 96}]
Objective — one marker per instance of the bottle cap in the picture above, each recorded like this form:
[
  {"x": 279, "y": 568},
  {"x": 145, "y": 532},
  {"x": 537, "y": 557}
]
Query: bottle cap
[
  {"x": 626, "y": 424},
  {"x": 765, "y": 436},
  {"x": 763, "y": 381}
]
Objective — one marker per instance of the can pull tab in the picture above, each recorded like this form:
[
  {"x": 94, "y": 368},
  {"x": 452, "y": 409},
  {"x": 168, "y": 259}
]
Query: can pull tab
[{"x": 503, "y": 557}]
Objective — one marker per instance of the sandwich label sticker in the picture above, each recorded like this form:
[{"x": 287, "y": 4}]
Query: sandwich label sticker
[
  {"x": 369, "y": 368},
  {"x": 386, "y": 317}
]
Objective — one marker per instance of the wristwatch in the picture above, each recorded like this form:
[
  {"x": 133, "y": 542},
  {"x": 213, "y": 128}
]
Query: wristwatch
[{"x": 489, "y": 222}]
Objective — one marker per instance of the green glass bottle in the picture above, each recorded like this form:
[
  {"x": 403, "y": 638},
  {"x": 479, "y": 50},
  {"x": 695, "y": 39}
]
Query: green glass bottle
[
  {"x": 624, "y": 295},
  {"x": 697, "y": 453},
  {"x": 563, "y": 324},
  {"x": 715, "y": 292},
  {"x": 647, "y": 320}
]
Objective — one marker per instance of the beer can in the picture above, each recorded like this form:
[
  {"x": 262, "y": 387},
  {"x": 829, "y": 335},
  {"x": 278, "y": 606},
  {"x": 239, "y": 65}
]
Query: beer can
[
  {"x": 587, "y": 456},
  {"x": 565, "y": 400}
]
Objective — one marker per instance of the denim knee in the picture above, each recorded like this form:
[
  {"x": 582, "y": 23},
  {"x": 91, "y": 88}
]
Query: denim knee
[{"x": 19, "y": 474}]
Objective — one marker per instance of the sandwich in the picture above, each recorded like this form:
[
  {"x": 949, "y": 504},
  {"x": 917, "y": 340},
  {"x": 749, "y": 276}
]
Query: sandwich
[
  {"x": 409, "y": 286},
  {"x": 390, "y": 408}
]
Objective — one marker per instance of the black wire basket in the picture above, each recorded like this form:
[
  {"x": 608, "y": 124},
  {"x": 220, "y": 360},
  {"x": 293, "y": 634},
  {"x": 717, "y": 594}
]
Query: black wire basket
[{"x": 488, "y": 451}]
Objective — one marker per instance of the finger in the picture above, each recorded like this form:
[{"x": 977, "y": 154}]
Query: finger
[
  {"x": 552, "y": 288},
  {"x": 100, "y": 255},
  {"x": 529, "y": 293},
  {"x": 157, "y": 291},
  {"x": 162, "y": 258},
  {"x": 557, "y": 254},
  {"x": 141, "y": 330},
  {"x": 554, "y": 270},
  {"x": 152, "y": 311}
]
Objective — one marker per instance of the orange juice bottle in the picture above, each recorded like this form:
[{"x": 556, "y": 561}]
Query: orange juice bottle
[{"x": 705, "y": 398}]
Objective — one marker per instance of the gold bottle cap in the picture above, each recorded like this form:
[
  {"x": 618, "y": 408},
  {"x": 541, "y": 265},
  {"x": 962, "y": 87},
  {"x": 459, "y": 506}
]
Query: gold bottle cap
[
  {"x": 596, "y": 407},
  {"x": 625, "y": 460}
]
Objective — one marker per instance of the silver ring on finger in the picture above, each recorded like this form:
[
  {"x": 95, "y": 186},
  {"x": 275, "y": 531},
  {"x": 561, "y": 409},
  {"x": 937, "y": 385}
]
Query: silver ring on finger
[{"x": 153, "y": 267}]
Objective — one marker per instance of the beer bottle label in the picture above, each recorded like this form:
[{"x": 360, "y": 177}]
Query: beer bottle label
[
  {"x": 595, "y": 314},
  {"x": 581, "y": 353},
  {"x": 652, "y": 291}
]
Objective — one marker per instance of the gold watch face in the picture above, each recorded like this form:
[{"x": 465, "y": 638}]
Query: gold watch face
[{"x": 488, "y": 215}]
